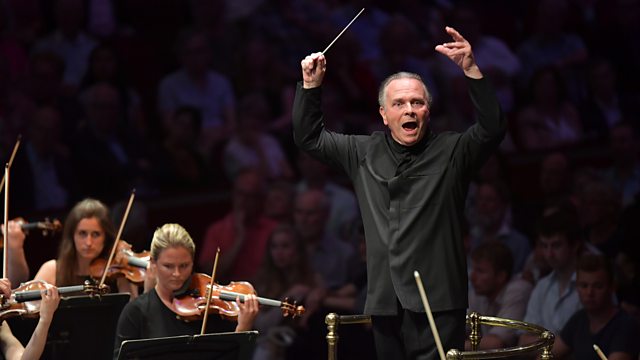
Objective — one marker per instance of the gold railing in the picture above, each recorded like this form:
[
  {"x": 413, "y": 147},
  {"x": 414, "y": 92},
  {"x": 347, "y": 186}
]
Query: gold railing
[{"x": 543, "y": 345}]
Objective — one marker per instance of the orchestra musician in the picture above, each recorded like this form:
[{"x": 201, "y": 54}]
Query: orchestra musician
[
  {"x": 152, "y": 314},
  {"x": 88, "y": 234},
  {"x": 10, "y": 347}
]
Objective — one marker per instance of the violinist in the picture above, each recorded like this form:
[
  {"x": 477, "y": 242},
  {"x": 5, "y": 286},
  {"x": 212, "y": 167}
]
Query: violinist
[
  {"x": 152, "y": 314},
  {"x": 88, "y": 234},
  {"x": 10, "y": 347},
  {"x": 18, "y": 270}
]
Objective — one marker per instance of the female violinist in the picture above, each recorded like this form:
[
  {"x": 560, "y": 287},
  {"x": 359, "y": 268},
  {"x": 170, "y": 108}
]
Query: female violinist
[
  {"x": 152, "y": 314},
  {"x": 10, "y": 347},
  {"x": 17, "y": 268},
  {"x": 88, "y": 234}
]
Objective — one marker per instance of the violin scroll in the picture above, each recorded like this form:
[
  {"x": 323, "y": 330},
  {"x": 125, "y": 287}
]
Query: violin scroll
[
  {"x": 289, "y": 309},
  {"x": 47, "y": 226}
]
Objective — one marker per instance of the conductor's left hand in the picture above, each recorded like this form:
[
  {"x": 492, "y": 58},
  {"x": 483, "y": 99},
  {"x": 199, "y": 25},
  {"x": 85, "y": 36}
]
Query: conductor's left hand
[{"x": 459, "y": 51}]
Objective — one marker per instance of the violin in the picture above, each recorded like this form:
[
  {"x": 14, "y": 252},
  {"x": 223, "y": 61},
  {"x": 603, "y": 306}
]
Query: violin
[
  {"x": 189, "y": 302},
  {"x": 24, "y": 300},
  {"x": 47, "y": 226},
  {"x": 131, "y": 265}
]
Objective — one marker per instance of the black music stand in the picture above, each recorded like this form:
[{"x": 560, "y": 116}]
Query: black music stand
[
  {"x": 221, "y": 346},
  {"x": 84, "y": 327}
]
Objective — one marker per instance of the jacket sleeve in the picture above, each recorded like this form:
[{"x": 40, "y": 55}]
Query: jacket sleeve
[
  {"x": 485, "y": 136},
  {"x": 311, "y": 136}
]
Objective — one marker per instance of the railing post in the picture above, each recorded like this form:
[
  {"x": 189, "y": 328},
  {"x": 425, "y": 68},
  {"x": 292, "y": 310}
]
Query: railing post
[
  {"x": 332, "y": 320},
  {"x": 475, "y": 336},
  {"x": 546, "y": 351}
]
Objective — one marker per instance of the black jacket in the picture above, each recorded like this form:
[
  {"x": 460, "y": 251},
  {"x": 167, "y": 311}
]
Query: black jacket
[{"x": 412, "y": 221}]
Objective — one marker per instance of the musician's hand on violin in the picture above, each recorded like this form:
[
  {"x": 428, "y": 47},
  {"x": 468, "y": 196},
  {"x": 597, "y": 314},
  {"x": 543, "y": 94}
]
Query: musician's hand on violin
[
  {"x": 248, "y": 312},
  {"x": 49, "y": 304},
  {"x": 121, "y": 256},
  {"x": 5, "y": 287},
  {"x": 16, "y": 235},
  {"x": 314, "y": 67}
]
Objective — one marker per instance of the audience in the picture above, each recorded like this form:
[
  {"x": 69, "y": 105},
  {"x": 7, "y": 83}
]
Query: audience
[
  {"x": 492, "y": 223},
  {"x": 554, "y": 298},
  {"x": 242, "y": 234},
  {"x": 600, "y": 322},
  {"x": 497, "y": 292},
  {"x": 98, "y": 120}
]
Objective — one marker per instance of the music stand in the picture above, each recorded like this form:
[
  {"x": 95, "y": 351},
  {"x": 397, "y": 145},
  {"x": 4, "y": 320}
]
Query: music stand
[
  {"x": 221, "y": 346},
  {"x": 84, "y": 327}
]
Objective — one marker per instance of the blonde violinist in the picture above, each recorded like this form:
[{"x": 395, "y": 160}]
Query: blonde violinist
[{"x": 153, "y": 314}]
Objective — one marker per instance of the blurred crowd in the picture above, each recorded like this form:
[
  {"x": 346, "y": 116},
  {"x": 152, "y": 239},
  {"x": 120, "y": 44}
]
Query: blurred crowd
[{"x": 183, "y": 98}]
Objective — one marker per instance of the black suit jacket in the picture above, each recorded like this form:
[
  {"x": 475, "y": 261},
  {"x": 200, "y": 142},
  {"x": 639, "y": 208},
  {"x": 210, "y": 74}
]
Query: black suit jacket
[{"x": 412, "y": 221}]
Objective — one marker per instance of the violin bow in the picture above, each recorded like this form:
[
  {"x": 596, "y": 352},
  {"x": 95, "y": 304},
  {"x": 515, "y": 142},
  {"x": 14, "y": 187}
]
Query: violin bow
[
  {"x": 206, "y": 309},
  {"x": 115, "y": 243},
  {"x": 13, "y": 155},
  {"x": 5, "y": 179},
  {"x": 6, "y": 222}
]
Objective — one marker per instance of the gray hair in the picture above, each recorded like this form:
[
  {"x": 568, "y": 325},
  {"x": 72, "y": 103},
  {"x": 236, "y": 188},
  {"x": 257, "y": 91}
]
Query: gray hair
[{"x": 382, "y": 92}]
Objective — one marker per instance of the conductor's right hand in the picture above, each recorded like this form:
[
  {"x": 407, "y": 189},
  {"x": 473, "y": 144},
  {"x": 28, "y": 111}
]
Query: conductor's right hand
[{"x": 313, "y": 68}]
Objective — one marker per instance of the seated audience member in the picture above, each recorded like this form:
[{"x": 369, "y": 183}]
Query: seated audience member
[
  {"x": 555, "y": 298},
  {"x": 492, "y": 223},
  {"x": 600, "y": 322},
  {"x": 495, "y": 292},
  {"x": 10, "y": 347},
  {"x": 343, "y": 204},
  {"x": 278, "y": 202},
  {"x": 624, "y": 172},
  {"x": 252, "y": 145},
  {"x": 152, "y": 315},
  {"x": 196, "y": 84},
  {"x": 285, "y": 274},
  {"x": 242, "y": 234},
  {"x": 350, "y": 298},
  {"x": 328, "y": 255},
  {"x": 116, "y": 160},
  {"x": 536, "y": 267},
  {"x": 42, "y": 176},
  {"x": 180, "y": 164},
  {"x": 600, "y": 208},
  {"x": 550, "y": 120},
  {"x": 69, "y": 40}
]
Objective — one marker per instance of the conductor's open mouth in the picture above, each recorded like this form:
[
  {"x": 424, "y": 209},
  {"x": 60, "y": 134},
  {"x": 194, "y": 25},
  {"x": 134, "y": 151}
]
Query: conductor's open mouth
[{"x": 410, "y": 125}]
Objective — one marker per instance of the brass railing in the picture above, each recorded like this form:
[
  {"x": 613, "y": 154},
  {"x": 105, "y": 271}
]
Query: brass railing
[{"x": 543, "y": 345}]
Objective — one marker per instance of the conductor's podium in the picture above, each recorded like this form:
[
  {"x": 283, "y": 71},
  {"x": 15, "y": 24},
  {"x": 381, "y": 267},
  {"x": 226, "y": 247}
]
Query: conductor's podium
[{"x": 542, "y": 346}]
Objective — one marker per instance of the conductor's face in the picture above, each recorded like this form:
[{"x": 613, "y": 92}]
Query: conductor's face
[{"x": 406, "y": 110}]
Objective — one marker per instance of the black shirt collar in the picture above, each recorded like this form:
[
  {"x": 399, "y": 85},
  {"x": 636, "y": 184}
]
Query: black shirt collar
[{"x": 399, "y": 150}]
